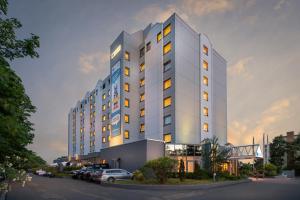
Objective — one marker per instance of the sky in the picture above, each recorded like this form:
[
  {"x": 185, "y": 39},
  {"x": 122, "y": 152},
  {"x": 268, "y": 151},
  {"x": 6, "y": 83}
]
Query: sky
[{"x": 259, "y": 39}]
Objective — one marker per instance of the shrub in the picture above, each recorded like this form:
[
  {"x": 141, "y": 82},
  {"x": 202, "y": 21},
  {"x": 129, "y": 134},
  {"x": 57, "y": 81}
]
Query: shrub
[
  {"x": 227, "y": 176},
  {"x": 270, "y": 170},
  {"x": 161, "y": 168},
  {"x": 138, "y": 176}
]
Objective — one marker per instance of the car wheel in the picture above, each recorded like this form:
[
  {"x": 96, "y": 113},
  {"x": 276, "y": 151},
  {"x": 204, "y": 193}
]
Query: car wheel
[{"x": 111, "y": 180}]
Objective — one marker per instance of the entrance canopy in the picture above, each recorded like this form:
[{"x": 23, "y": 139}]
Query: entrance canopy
[{"x": 246, "y": 152}]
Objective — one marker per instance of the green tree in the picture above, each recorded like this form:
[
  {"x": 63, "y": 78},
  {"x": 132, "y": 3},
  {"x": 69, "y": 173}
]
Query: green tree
[
  {"x": 277, "y": 150},
  {"x": 181, "y": 171}
]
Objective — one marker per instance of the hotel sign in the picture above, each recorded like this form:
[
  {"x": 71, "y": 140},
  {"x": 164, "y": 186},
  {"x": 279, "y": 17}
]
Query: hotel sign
[
  {"x": 116, "y": 51},
  {"x": 115, "y": 99}
]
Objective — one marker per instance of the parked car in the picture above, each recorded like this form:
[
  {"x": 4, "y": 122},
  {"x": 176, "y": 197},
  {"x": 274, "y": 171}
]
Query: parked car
[
  {"x": 40, "y": 172},
  {"x": 110, "y": 175}
]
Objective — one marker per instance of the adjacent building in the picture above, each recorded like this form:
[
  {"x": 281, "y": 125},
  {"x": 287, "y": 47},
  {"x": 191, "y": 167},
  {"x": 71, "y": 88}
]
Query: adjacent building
[{"x": 166, "y": 91}]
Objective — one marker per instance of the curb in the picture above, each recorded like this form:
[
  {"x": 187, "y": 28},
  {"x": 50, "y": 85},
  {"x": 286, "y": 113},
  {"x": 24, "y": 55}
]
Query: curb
[{"x": 175, "y": 187}]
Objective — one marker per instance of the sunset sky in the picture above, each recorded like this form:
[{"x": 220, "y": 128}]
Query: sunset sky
[{"x": 260, "y": 40}]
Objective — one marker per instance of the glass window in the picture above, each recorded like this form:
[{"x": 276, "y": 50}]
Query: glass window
[
  {"x": 104, "y": 96},
  {"x": 142, "y": 112},
  {"x": 108, "y": 127},
  {"x": 142, "y": 82},
  {"x": 205, "y": 65},
  {"x": 167, "y": 65},
  {"x": 205, "y": 111},
  {"x": 127, "y": 56},
  {"x": 103, "y": 128},
  {"x": 205, "y": 50},
  {"x": 167, "y": 48},
  {"x": 167, "y": 138},
  {"x": 205, "y": 96},
  {"x": 167, "y": 120},
  {"x": 205, "y": 80},
  {"x": 142, "y": 128},
  {"x": 126, "y": 87},
  {"x": 205, "y": 127},
  {"x": 126, "y": 134},
  {"x": 126, "y": 71},
  {"x": 148, "y": 46},
  {"x": 108, "y": 105},
  {"x": 158, "y": 37},
  {"x": 167, "y": 84},
  {"x": 142, "y": 67},
  {"x": 167, "y": 30},
  {"x": 103, "y": 117},
  {"x": 142, "y": 52},
  {"x": 142, "y": 97},
  {"x": 126, "y": 103},
  {"x": 167, "y": 101},
  {"x": 103, "y": 107},
  {"x": 126, "y": 118},
  {"x": 108, "y": 138},
  {"x": 103, "y": 139}
]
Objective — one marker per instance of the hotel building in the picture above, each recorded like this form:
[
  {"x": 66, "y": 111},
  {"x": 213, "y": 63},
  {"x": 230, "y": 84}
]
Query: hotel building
[{"x": 166, "y": 92}]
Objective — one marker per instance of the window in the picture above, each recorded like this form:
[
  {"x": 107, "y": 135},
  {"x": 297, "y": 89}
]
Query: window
[
  {"x": 108, "y": 127},
  {"x": 142, "y": 112},
  {"x": 167, "y": 138},
  {"x": 109, "y": 91},
  {"x": 205, "y": 50},
  {"x": 142, "y": 52},
  {"x": 167, "y": 101},
  {"x": 167, "y": 48},
  {"x": 108, "y": 138},
  {"x": 104, "y": 96},
  {"x": 167, "y": 120},
  {"x": 103, "y": 139},
  {"x": 205, "y": 96},
  {"x": 126, "y": 103},
  {"x": 142, "y": 97},
  {"x": 148, "y": 46},
  {"x": 126, "y": 87},
  {"x": 94, "y": 133},
  {"x": 126, "y": 71},
  {"x": 142, "y": 82},
  {"x": 103, "y": 107},
  {"x": 167, "y": 30},
  {"x": 158, "y": 37},
  {"x": 205, "y": 80},
  {"x": 142, "y": 67},
  {"x": 167, "y": 84},
  {"x": 205, "y": 65},
  {"x": 205, "y": 111},
  {"x": 91, "y": 106},
  {"x": 81, "y": 130},
  {"x": 108, "y": 105},
  {"x": 126, "y": 134},
  {"x": 167, "y": 65},
  {"x": 103, "y": 128},
  {"x": 127, "y": 56},
  {"x": 205, "y": 127},
  {"x": 103, "y": 117},
  {"x": 142, "y": 128},
  {"x": 126, "y": 118}
]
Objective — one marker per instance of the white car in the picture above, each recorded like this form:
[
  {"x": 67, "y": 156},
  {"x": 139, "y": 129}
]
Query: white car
[
  {"x": 40, "y": 172},
  {"x": 110, "y": 175}
]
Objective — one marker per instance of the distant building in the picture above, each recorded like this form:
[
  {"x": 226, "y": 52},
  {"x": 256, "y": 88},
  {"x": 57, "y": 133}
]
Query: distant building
[{"x": 289, "y": 158}]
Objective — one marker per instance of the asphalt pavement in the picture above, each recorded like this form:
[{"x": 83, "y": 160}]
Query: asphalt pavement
[{"x": 41, "y": 188}]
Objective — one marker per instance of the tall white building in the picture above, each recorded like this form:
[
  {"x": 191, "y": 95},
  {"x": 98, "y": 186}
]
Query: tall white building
[{"x": 167, "y": 85}]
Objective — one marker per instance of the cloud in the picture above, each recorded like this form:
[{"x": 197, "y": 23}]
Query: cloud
[
  {"x": 89, "y": 63},
  {"x": 279, "y": 4},
  {"x": 240, "y": 68}
]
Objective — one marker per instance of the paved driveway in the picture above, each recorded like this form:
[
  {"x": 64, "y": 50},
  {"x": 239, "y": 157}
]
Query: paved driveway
[{"x": 67, "y": 189}]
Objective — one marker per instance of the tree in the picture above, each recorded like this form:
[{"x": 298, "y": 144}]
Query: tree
[
  {"x": 277, "y": 150},
  {"x": 181, "y": 170}
]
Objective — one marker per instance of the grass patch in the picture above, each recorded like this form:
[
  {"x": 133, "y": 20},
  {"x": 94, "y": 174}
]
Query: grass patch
[{"x": 170, "y": 181}]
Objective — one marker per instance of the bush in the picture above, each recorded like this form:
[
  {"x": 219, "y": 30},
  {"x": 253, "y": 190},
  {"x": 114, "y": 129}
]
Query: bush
[
  {"x": 270, "y": 170},
  {"x": 162, "y": 167},
  {"x": 227, "y": 176},
  {"x": 138, "y": 176}
]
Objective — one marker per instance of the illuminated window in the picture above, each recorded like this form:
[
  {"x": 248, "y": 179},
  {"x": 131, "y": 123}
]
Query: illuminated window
[
  {"x": 205, "y": 127},
  {"x": 142, "y": 97},
  {"x": 167, "y": 84},
  {"x": 205, "y": 111},
  {"x": 126, "y": 134},
  {"x": 142, "y": 82},
  {"x": 158, "y": 37},
  {"x": 142, "y": 52},
  {"x": 167, "y": 30},
  {"x": 167, "y": 120},
  {"x": 81, "y": 114},
  {"x": 167, "y": 138},
  {"x": 167, "y": 101},
  {"x": 127, "y": 56},
  {"x": 142, "y": 128},
  {"x": 104, "y": 96},
  {"x": 142, "y": 112},
  {"x": 167, "y": 65},
  {"x": 126, "y": 71},
  {"x": 91, "y": 106},
  {"x": 205, "y": 96},
  {"x": 167, "y": 48},
  {"x": 148, "y": 46},
  {"x": 103, "y": 117},
  {"x": 103, "y": 128},
  {"x": 126, "y": 118},
  {"x": 81, "y": 130},
  {"x": 126, "y": 103},
  {"x": 142, "y": 67},
  {"x": 205, "y": 80},
  {"x": 103, "y": 139},
  {"x": 205, "y": 50},
  {"x": 103, "y": 107},
  {"x": 108, "y": 127},
  {"x": 126, "y": 87},
  {"x": 108, "y": 105},
  {"x": 94, "y": 133},
  {"x": 108, "y": 138},
  {"x": 205, "y": 65}
]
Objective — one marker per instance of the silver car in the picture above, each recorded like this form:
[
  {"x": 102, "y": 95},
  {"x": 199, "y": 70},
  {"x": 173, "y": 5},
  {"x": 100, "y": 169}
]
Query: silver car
[{"x": 110, "y": 175}]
